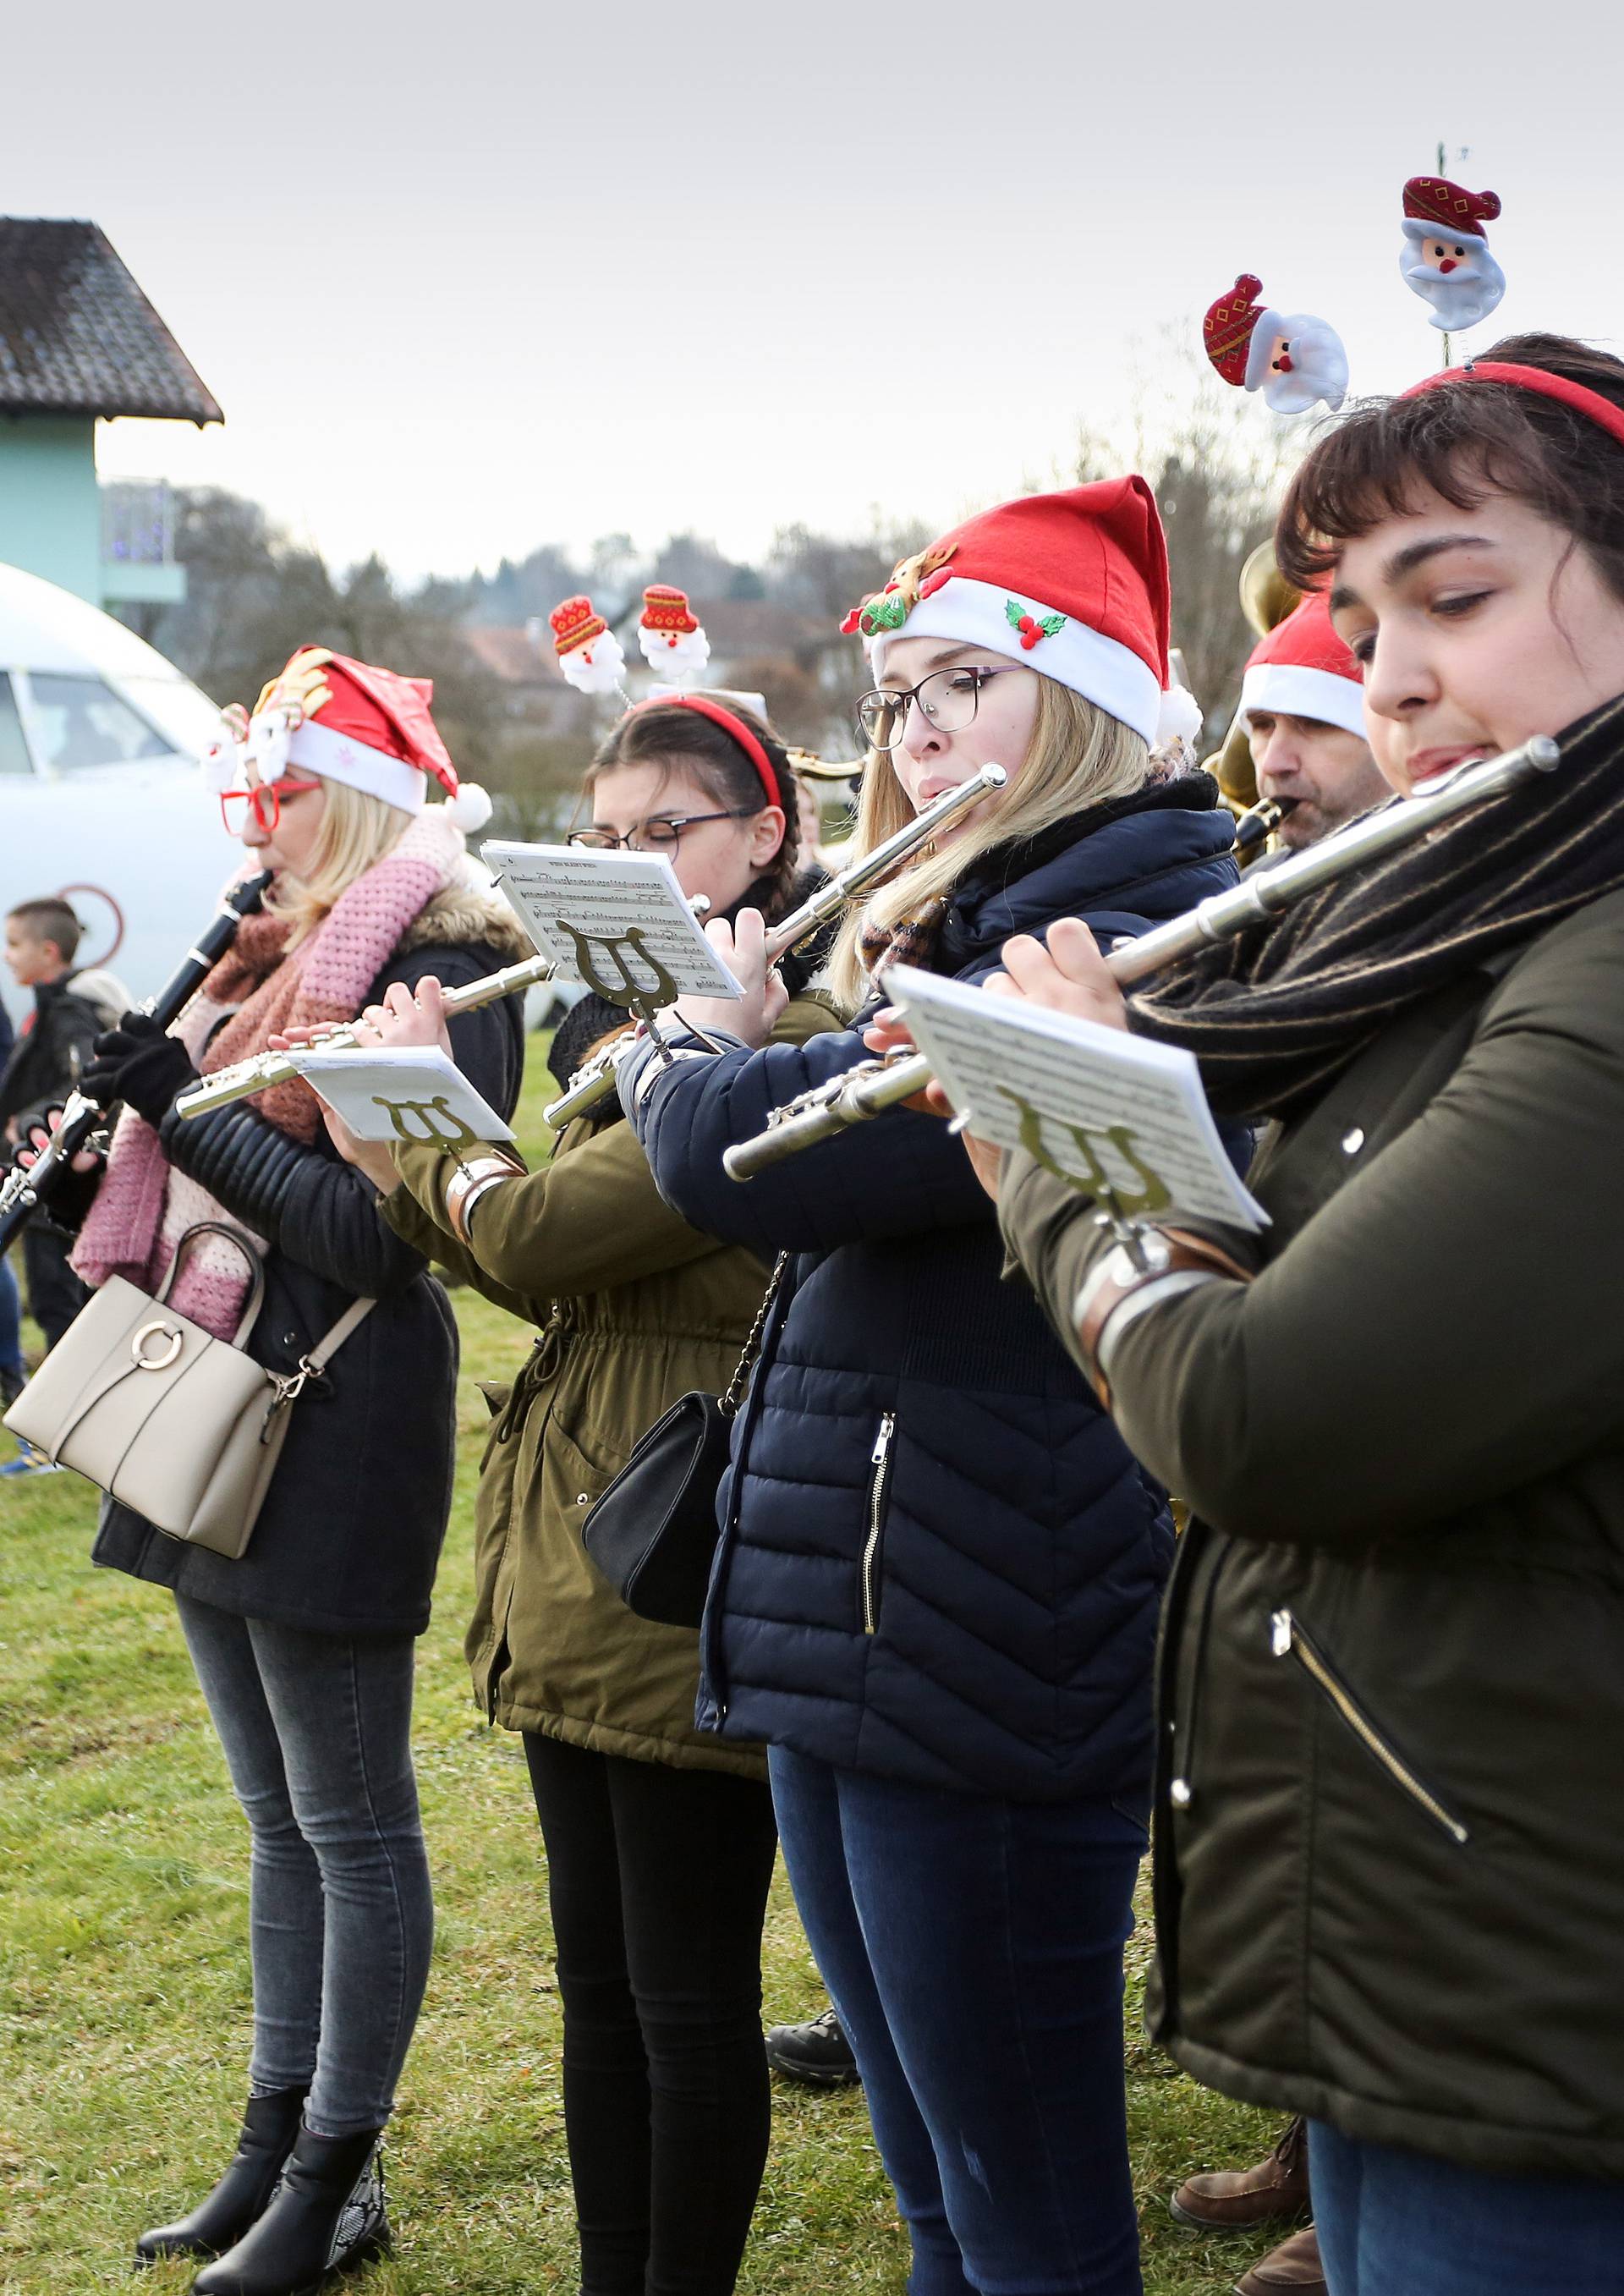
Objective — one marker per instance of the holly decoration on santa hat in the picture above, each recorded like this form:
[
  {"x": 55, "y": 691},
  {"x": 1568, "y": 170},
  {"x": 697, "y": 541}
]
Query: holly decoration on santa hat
[
  {"x": 912, "y": 579},
  {"x": 589, "y": 653},
  {"x": 1445, "y": 257},
  {"x": 1294, "y": 359},
  {"x": 1033, "y": 627}
]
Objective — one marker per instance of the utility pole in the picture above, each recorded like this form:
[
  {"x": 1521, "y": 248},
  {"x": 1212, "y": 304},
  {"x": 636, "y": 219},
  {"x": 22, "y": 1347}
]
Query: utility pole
[{"x": 1443, "y": 169}]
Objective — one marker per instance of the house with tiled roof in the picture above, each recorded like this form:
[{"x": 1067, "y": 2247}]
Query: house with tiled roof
[{"x": 80, "y": 344}]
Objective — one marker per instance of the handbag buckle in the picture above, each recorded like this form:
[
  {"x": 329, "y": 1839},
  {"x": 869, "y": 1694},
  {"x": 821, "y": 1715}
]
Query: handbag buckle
[
  {"x": 290, "y": 1386},
  {"x": 174, "y": 1342}
]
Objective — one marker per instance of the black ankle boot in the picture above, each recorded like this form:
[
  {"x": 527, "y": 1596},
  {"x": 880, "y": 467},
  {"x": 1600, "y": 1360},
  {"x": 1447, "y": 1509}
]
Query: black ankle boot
[
  {"x": 269, "y": 2126},
  {"x": 328, "y": 2215}
]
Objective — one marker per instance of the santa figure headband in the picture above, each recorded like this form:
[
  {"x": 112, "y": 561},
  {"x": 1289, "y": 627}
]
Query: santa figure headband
[{"x": 1576, "y": 395}]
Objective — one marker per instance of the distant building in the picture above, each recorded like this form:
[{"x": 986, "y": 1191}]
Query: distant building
[
  {"x": 534, "y": 690},
  {"x": 80, "y": 344}
]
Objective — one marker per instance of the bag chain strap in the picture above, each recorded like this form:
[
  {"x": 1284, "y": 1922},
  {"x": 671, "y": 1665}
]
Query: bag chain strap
[{"x": 737, "y": 1384}]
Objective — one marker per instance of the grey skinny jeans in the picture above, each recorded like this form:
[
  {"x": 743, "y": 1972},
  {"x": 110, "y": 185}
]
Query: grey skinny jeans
[{"x": 316, "y": 1730}]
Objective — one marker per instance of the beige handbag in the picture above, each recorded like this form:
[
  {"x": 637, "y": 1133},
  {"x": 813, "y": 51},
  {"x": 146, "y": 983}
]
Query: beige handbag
[{"x": 182, "y": 1427}]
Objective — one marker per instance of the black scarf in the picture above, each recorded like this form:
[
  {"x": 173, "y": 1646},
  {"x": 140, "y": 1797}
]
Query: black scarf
[
  {"x": 1275, "y": 1014},
  {"x": 593, "y": 1018}
]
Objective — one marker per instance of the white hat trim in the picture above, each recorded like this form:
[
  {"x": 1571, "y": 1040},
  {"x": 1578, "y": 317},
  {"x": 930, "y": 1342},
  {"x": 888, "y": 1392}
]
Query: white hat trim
[
  {"x": 1102, "y": 670},
  {"x": 343, "y": 759},
  {"x": 1291, "y": 689}
]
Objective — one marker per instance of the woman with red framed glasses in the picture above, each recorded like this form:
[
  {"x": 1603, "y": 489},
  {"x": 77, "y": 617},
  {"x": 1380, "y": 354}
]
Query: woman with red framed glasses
[
  {"x": 304, "y": 1647},
  {"x": 260, "y": 802}
]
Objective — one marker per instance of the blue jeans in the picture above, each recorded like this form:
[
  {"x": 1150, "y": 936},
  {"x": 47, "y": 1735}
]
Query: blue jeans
[
  {"x": 10, "y": 1321},
  {"x": 1394, "y": 2223},
  {"x": 974, "y": 1949},
  {"x": 317, "y": 1732}
]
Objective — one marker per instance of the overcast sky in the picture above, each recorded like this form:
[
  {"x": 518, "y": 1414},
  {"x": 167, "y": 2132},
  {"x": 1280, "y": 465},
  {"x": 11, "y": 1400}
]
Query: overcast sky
[{"x": 468, "y": 277}]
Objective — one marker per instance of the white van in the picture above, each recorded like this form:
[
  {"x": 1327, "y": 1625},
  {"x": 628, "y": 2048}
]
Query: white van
[{"x": 101, "y": 797}]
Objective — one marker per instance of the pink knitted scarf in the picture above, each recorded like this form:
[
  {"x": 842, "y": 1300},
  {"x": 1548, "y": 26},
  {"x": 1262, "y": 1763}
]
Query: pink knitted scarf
[{"x": 144, "y": 1206}]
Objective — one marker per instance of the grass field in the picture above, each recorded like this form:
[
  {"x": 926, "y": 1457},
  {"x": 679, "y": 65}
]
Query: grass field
[{"x": 123, "y": 1982}]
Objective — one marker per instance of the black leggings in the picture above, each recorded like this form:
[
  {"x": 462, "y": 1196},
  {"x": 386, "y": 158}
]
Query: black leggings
[{"x": 658, "y": 1880}]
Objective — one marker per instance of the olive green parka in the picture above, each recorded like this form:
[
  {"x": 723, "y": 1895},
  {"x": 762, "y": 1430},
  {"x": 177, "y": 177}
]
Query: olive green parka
[
  {"x": 1389, "y": 1886},
  {"x": 631, "y": 1307}
]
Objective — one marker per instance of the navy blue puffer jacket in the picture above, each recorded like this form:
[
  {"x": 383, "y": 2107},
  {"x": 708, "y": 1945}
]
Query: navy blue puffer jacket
[{"x": 938, "y": 1561}]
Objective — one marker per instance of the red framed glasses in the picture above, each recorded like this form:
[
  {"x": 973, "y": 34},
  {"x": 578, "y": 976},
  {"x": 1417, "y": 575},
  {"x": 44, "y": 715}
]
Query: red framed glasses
[{"x": 262, "y": 802}]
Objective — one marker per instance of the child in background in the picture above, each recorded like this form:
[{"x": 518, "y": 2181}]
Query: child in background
[
  {"x": 14, "y": 1371},
  {"x": 41, "y": 939}
]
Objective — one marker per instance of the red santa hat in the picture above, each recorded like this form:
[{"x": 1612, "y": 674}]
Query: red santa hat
[
  {"x": 1238, "y": 332},
  {"x": 1073, "y": 584},
  {"x": 1303, "y": 669},
  {"x": 1436, "y": 208},
  {"x": 367, "y": 728}
]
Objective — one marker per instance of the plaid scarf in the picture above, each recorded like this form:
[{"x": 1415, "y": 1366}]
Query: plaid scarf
[
  {"x": 1275, "y": 1014},
  {"x": 911, "y": 940}
]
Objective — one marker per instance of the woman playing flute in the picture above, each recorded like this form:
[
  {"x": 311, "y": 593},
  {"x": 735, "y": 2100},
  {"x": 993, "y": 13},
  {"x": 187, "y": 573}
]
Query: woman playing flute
[
  {"x": 660, "y": 1838},
  {"x": 1391, "y": 1883},
  {"x": 941, "y": 1569}
]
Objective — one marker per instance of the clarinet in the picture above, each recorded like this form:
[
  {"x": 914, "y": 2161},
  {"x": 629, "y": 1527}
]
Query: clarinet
[
  {"x": 23, "y": 1192},
  {"x": 1255, "y": 827}
]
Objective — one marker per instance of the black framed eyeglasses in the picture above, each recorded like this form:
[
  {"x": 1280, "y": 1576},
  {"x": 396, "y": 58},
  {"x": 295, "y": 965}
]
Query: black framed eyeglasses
[
  {"x": 950, "y": 698},
  {"x": 661, "y": 835}
]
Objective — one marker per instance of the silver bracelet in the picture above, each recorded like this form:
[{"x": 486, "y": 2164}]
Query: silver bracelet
[{"x": 1136, "y": 1302}]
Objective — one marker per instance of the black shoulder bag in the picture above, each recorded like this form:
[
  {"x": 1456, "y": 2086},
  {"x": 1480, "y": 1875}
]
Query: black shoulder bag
[{"x": 653, "y": 1531}]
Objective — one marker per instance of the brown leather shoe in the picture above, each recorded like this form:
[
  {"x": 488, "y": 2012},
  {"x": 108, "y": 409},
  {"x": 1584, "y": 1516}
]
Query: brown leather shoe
[
  {"x": 1234, "y": 2200},
  {"x": 1295, "y": 2265}
]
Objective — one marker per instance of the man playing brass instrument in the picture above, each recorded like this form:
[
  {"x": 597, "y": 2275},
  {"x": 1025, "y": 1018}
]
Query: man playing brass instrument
[{"x": 1302, "y": 706}]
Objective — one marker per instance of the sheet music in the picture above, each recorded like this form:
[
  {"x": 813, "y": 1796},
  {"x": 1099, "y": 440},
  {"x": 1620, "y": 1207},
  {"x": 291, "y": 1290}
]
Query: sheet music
[
  {"x": 1095, "y": 1104},
  {"x": 618, "y": 923},
  {"x": 401, "y": 1092}
]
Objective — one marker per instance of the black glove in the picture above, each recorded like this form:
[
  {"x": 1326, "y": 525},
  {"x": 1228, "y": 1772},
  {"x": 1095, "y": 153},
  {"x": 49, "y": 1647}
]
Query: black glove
[
  {"x": 71, "y": 1194},
  {"x": 137, "y": 1063}
]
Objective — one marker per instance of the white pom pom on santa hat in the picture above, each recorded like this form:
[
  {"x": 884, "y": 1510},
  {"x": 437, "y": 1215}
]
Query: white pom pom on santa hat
[
  {"x": 470, "y": 808},
  {"x": 1178, "y": 718}
]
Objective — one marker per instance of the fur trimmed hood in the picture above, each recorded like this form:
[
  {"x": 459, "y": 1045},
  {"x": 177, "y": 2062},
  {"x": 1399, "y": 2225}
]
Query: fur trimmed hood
[{"x": 468, "y": 913}]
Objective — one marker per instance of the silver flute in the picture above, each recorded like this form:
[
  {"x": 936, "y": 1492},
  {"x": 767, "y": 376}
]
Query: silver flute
[
  {"x": 267, "y": 1068},
  {"x": 869, "y": 1087},
  {"x": 596, "y": 1080}
]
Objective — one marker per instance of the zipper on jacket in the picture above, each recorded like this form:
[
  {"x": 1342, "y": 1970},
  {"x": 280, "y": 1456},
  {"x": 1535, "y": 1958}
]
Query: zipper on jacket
[
  {"x": 880, "y": 1459},
  {"x": 1288, "y": 1640}
]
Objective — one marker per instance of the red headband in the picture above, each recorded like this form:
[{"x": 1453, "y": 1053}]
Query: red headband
[
  {"x": 1577, "y": 395},
  {"x": 729, "y": 724}
]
